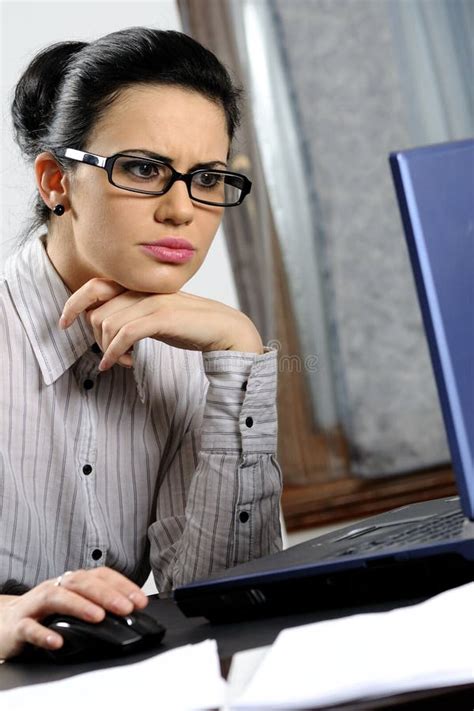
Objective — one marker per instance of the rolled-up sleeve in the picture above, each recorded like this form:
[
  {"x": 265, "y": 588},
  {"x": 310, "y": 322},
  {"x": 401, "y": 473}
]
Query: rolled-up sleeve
[{"x": 224, "y": 478}]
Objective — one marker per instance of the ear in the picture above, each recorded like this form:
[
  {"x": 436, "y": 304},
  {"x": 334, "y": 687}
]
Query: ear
[{"x": 52, "y": 181}]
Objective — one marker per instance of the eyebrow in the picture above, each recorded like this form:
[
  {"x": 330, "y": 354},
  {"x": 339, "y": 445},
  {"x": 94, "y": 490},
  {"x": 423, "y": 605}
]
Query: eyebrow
[{"x": 167, "y": 159}]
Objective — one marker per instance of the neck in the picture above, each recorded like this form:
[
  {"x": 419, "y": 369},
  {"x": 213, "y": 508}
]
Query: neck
[{"x": 65, "y": 259}]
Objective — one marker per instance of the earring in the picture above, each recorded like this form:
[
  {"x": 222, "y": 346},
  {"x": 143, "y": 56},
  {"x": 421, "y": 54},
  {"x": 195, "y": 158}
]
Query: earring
[{"x": 59, "y": 210}]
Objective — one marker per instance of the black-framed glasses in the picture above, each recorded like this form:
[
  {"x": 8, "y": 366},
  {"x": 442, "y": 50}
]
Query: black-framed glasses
[{"x": 148, "y": 176}]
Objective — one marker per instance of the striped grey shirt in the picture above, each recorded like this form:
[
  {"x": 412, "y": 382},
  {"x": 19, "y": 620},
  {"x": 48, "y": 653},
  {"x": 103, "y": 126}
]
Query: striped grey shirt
[{"x": 169, "y": 465}]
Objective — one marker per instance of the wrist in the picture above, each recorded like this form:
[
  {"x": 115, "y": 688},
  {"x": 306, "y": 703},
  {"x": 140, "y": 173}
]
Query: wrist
[
  {"x": 6, "y": 599},
  {"x": 249, "y": 347},
  {"x": 247, "y": 340}
]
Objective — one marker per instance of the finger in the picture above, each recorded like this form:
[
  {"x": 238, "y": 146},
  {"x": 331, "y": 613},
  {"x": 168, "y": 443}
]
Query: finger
[
  {"x": 107, "y": 319},
  {"x": 31, "y": 631},
  {"x": 126, "y": 360},
  {"x": 96, "y": 328},
  {"x": 120, "y": 311},
  {"x": 129, "y": 334},
  {"x": 48, "y": 598},
  {"x": 95, "y": 291},
  {"x": 126, "y": 586},
  {"x": 116, "y": 594}
]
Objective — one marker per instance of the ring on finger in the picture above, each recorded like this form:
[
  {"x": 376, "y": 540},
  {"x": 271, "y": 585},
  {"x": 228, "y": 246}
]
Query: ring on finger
[{"x": 59, "y": 579}]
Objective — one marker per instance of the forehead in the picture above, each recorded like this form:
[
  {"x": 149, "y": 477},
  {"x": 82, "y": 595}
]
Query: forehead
[{"x": 166, "y": 119}]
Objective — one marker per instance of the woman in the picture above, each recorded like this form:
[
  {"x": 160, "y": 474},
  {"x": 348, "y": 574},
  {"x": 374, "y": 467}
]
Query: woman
[{"x": 138, "y": 421}]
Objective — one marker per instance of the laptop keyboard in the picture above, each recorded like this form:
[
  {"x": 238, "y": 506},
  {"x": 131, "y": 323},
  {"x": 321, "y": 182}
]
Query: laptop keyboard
[{"x": 435, "y": 529}]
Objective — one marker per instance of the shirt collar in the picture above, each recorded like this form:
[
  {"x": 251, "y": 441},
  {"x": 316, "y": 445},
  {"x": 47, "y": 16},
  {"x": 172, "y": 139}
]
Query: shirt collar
[{"x": 39, "y": 295}]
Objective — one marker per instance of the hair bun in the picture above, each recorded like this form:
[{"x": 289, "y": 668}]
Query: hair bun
[{"x": 36, "y": 93}]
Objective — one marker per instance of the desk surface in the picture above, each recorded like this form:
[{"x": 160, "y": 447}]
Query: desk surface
[{"x": 231, "y": 638}]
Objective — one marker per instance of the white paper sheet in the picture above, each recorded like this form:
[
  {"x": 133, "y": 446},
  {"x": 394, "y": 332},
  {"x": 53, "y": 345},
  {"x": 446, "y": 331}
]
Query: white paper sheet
[
  {"x": 184, "y": 679},
  {"x": 241, "y": 670},
  {"x": 423, "y": 646}
]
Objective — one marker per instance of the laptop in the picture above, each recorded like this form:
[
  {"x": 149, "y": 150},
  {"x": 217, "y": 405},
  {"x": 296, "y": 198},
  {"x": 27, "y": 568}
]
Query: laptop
[{"x": 420, "y": 549}]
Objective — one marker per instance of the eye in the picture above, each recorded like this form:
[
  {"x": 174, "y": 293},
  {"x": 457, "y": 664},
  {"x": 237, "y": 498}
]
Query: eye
[
  {"x": 142, "y": 169},
  {"x": 208, "y": 180}
]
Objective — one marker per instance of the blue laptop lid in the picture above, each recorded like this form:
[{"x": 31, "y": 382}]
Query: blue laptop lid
[{"x": 435, "y": 189}]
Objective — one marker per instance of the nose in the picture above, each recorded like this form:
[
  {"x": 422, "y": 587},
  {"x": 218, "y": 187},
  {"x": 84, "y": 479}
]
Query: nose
[{"x": 175, "y": 205}]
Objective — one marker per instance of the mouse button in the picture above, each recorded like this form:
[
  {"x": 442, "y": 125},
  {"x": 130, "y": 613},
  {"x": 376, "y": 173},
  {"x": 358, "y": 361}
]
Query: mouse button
[
  {"x": 69, "y": 628},
  {"x": 75, "y": 633},
  {"x": 111, "y": 630},
  {"x": 144, "y": 623},
  {"x": 75, "y": 643},
  {"x": 116, "y": 630},
  {"x": 53, "y": 619}
]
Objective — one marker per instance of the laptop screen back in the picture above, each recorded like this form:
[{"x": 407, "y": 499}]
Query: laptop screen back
[{"x": 435, "y": 189}]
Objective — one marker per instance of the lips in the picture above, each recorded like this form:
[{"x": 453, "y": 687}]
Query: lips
[
  {"x": 172, "y": 243},
  {"x": 170, "y": 250}
]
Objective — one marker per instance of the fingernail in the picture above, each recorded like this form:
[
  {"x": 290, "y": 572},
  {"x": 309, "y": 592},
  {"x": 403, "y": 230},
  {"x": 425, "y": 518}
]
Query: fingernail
[
  {"x": 63, "y": 322},
  {"x": 123, "y": 607},
  {"x": 93, "y": 613},
  {"x": 137, "y": 596},
  {"x": 104, "y": 364},
  {"x": 53, "y": 640}
]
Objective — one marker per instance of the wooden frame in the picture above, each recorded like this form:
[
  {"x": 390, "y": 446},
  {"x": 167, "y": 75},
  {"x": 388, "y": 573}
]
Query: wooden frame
[{"x": 350, "y": 498}]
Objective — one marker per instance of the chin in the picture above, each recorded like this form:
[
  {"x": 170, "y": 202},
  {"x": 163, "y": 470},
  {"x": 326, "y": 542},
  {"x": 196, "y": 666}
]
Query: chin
[
  {"x": 155, "y": 285},
  {"x": 154, "y": 278}
]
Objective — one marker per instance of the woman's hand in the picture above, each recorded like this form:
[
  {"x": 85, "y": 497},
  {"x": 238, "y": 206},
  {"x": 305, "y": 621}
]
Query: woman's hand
[
  {"x": 120, "y": 318},
  {"x": 82, "y": 593}
]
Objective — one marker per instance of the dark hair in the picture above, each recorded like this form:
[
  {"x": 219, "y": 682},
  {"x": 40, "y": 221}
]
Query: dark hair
[{"x": 69, "y": 85}]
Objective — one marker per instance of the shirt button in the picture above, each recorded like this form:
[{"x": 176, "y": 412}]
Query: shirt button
[
  {"x": 244, "y": 386},
  {"x": 244, "y": 516},
  {"x": 88, "y": 384},
  {"x": 249, "y": 421},
  {"x": 97, "y": 554},
  {"x": 95, "y": 348},
  {"x": 86, "y": 469}
]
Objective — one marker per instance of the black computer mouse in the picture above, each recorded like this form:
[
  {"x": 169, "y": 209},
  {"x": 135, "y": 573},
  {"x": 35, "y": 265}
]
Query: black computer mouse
[{"x": 114, "y": 636}]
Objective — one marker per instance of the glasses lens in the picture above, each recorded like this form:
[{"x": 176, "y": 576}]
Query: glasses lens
[
  {"x": 140, "y": 174},
  {"x": 217, "y": 188}
]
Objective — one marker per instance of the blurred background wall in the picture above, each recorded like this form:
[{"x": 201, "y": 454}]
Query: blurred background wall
[{"x": 368, "y": 77}]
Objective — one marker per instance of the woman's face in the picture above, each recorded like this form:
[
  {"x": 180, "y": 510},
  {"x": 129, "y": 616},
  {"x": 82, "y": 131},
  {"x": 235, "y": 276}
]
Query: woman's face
[{"x": 106, "y": 227}]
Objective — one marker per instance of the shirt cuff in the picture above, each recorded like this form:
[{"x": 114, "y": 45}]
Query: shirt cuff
[{"x": 240, "y": 412}]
